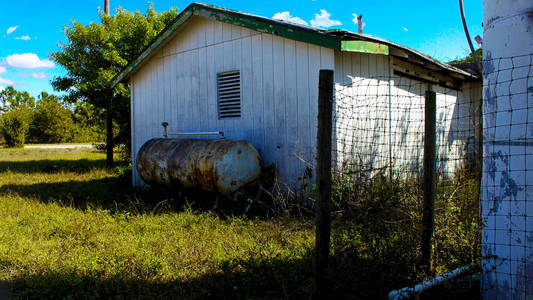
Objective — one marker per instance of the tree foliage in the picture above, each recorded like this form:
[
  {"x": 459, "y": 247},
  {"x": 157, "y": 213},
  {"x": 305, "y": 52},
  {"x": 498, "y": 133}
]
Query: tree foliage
[
  {"x": 88, "y": 123},
  {"x": 95, "y": 53},
  {"x": 14, "y": 126},
  {"x": 52, "y": 120},
  {"x": 469, "y": 57},
  {"x": 12, "y": 99}
]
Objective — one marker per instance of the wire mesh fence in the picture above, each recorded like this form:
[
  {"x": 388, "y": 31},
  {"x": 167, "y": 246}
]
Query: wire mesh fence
[
  {"x": 377, "y": 162},
  {"x": 507, "y": 209}
]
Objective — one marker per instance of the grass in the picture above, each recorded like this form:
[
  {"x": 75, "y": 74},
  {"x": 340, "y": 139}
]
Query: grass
[
  {"x": 62, "y": 235},
  {"x": 71, "y": 228}
]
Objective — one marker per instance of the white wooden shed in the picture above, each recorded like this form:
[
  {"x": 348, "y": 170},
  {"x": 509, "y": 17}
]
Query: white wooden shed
[{"x": 256, "y": 78}]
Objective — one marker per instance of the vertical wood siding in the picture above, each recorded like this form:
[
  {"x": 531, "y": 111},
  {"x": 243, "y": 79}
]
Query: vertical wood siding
[
  {"x": 379, "y": 118},
  {"x": 279, "y": 88}
]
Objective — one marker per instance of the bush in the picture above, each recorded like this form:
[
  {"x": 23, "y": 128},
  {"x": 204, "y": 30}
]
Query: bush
[
  {"x": 52, "y": 121},
  {"x": 14, "y": 126},
  {"x": 89, "y": 123}
]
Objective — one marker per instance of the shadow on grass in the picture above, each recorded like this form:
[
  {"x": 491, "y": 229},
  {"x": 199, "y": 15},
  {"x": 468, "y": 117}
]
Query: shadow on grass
[
  {"x": 117, "y": 195},
  {"x": 350, "y": 277},
  {"x": 78, "y": 194},
  {"x": 52, "y": 166},
  {"x": 269, "y": 278},
  {"x": 237, "y": 280}
]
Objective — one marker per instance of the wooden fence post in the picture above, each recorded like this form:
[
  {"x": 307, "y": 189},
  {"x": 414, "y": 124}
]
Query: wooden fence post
[
  {"x": 428, "y": 218},
  {"x": 323, "y": 218}
]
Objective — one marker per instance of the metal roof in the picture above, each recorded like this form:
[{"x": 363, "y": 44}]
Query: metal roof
[{"x": 336, "y": 39}]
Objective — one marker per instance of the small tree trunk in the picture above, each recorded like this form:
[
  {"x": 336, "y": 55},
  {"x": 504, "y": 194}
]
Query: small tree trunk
[
  {"x": 109, "y": 121},
  {"x": 109, "y": 129}
]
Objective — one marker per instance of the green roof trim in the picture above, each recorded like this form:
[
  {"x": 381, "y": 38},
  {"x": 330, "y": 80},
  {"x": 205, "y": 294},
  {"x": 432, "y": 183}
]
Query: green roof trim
[
  {"x": 261, "y": 24},
  {"x": 264, "y": 25},
  {"x": 364, "y": 47},
  {"x": 340, "y": 40}
]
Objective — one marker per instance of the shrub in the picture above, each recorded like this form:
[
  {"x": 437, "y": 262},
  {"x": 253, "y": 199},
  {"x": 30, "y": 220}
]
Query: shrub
[
  {"x": 89, "y": 125},
  {"x": 14, "y": 126},
  {"x": 52, "y": 121}
]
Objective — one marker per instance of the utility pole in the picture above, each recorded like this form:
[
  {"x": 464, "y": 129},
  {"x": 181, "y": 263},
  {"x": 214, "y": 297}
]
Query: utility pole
[{"x": 109, "y": 121}]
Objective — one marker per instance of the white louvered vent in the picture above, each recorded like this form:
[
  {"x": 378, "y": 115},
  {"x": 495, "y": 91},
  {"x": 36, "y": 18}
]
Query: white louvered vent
[{"x": 229, "y": 94}]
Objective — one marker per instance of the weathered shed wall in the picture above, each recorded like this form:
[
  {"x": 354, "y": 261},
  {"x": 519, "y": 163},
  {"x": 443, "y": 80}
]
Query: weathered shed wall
[
  {"x": 279, "y": 88},
  {"x": 379, "y": 118}
]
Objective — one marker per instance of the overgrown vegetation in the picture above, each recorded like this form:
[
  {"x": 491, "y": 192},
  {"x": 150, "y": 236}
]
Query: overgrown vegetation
[
  {"x": 379, "y": 219},
  {"x": 69, "y": 227}
]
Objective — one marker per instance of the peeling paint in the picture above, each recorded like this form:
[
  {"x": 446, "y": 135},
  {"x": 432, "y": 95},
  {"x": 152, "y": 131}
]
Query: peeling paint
[
  {"x": 488, "y": 64},
  {"x": 507, "y": 231},
  {"x": 508, "y": 188}
]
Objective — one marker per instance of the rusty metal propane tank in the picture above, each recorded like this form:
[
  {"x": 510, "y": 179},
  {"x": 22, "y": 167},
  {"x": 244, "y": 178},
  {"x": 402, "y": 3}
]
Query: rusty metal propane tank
[{"x": 220, "y": 166}]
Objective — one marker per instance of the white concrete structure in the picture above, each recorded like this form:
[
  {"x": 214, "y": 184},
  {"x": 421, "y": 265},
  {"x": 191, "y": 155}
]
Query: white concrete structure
[
  {"x": 507, "y": 183},
  {"x": 175, "y": 80}
]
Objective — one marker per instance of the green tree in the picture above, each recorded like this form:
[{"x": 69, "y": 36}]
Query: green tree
[
  {"x": 88, "y": 123},
  {"x": 11, "y": 99},
  {"x": 52, "y": 120},
  {"x": 469, "y": 57},
  {"x": 14, "y": 125},
  {"x": 95, "y": 53}
]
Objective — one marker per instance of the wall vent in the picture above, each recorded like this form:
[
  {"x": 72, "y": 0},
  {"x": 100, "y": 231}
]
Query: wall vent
[{"x": 229, "y": 94}]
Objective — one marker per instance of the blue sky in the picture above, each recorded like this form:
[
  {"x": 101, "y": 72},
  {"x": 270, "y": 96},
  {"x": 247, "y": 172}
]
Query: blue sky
[{"x": 30, "y": 30}]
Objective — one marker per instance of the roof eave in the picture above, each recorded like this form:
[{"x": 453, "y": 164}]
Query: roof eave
[
  {"x": 347, "y": 35},
  {"x": 341, "y": 40}
]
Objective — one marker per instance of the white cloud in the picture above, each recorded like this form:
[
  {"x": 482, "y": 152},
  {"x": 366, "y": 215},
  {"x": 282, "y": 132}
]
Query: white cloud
[
  {"x": 1, "y": 88},
  {"x": 24, "y": 38},
  {"x": 354, "y": 20},
  {"x": 28, "y": 61},
  {"x": 6, "y": 81},
  {"x": 323, "y": 20},
  {"x": 405, "y": 28},
  {"x": 11, "y": 29},
  {"x": 286, "y": 16},
  {"x": 39, "y": 75},
  {"x": 2, "y": 69}
]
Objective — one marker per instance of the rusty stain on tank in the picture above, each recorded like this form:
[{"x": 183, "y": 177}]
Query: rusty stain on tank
[{"x": 220, "y": 166}]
